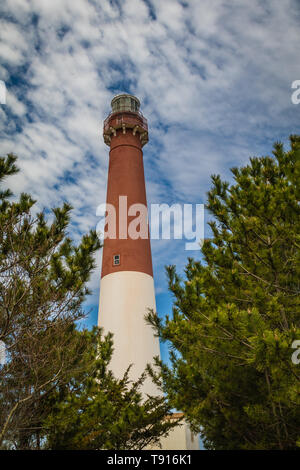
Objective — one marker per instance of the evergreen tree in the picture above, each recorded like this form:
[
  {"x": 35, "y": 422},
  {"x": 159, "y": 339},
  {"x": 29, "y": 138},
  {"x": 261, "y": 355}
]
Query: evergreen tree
[
  {"x": 236, "y": 315},
  {"x": 43, "y": 278},
  {"x": 97, "y": 411}
]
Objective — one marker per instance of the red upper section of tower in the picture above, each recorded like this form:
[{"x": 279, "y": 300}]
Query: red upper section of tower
[{"x": 126, "y": 131}]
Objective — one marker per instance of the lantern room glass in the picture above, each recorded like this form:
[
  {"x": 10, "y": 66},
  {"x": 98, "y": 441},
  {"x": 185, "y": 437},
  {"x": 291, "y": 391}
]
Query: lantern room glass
[{"x": 125, "y": 103}]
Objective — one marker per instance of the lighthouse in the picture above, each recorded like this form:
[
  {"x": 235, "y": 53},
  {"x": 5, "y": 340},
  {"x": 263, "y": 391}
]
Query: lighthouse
[{"x": 127, "y": 286}]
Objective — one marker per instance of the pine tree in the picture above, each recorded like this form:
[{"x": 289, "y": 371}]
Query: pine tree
[
  {"x": 43, "y": 278},
  {"x": 97, "y": 411},
  {"x": 236, "y": 315}
]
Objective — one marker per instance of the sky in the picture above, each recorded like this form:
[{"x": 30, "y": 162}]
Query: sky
[{"x": 214, "y": 80}]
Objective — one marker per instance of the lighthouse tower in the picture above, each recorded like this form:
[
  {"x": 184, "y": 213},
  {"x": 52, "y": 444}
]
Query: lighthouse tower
[{"x": 127, "y": 287}]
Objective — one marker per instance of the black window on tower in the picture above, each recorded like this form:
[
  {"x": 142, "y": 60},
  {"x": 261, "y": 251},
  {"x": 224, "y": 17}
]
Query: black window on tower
[{"x": 116, "y": 260}]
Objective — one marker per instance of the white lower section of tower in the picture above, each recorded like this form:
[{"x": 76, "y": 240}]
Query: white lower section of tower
[{"x": 125, "y": 298}]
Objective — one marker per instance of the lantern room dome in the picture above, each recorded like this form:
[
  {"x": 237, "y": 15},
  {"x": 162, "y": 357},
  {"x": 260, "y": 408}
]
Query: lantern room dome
[{"x": 125, "y": 102}]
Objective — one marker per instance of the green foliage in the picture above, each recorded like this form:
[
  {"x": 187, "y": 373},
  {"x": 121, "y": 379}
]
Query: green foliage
[
  {"x": 236, "y": 314},
  {"x": 97, "y": 411},
  {"x": 43, "y": 278}
]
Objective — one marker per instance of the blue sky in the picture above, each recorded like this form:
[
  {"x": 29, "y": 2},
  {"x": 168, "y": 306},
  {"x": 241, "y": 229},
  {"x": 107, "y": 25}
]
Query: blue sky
[{"x": 213, "y": 77}]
